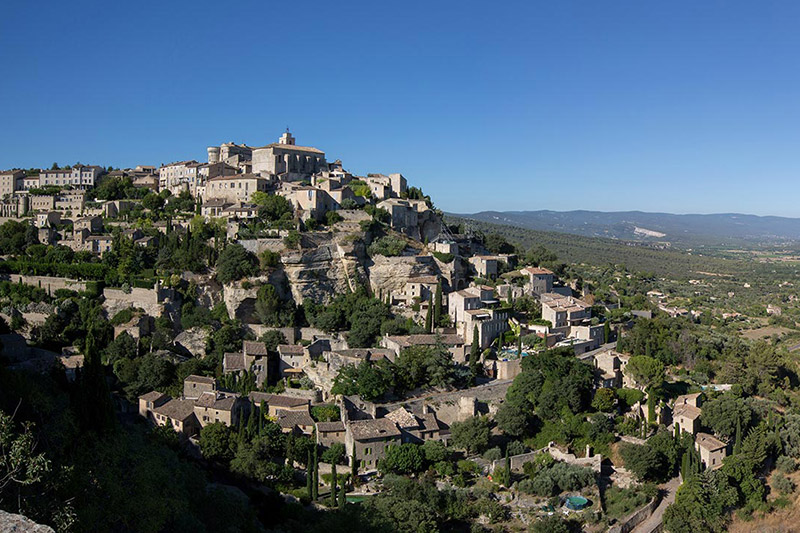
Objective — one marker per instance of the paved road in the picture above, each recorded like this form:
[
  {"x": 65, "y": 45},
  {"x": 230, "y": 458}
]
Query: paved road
[{"x": 654, "y": 521}]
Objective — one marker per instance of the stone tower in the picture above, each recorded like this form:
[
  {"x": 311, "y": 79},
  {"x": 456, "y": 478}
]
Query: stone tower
[{"x": 286, "y": 138}]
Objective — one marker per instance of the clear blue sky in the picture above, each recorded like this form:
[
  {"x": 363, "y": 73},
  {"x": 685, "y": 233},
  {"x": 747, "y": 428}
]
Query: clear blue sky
[{"x": 679, "y": 106}]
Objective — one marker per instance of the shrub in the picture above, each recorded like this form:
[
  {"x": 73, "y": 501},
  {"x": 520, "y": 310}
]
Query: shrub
[
  {"x": 269, "y": 259},
  {"x": 444, "y": 257},
  {"x": 785, "y": 464},
  {"x": 493, "y": 454},
  {"x": 332, "y": 217},
  {"x": 783, "y": 484},
  {"x": 515, "y": 447},
  {"x": 292, "y": 240},
  {"x": 387, "y": 246}
]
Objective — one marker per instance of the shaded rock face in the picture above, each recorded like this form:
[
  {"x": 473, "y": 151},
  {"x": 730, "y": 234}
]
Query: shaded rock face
[
  {"x": 327, "y": 265},
  {"x": 16, "y": 523},
  {"x": 388, "y": 274},
  {"x": 193, "y": 341}
]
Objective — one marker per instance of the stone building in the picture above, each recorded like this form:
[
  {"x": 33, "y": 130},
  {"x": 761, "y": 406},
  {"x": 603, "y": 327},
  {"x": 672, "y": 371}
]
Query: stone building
[
  {"x": 178, "y": 176},
  {"x": 288, "y": 160},
  {"x": 330, "y": 432},
  {"x": 231, "y": 153},
  {"x": 540, "y": 280},
  {"x": 217, "y": 406},
  {"x": 11, "y": 181},
  {"x": 712, "y": 450},
  {"x": 194, "y": 386},
  {"x": 237, "y": 188},
  {"x": 485, "y": 266},
  {"x": 686, "y": 413},
  {"x": 79, "y": 177},
  {"x": 370, "y": 439},
  {"x": 562, "y": 310}
]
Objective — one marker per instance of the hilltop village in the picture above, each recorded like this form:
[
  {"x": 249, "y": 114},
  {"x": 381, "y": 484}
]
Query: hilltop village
[{"x": 276, "y": 317}]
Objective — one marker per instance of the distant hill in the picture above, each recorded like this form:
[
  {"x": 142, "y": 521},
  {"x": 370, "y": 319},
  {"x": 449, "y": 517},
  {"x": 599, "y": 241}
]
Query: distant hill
[{"x": 726, "y": 229}]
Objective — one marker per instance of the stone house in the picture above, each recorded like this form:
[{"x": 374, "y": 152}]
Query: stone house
[
  {"x": 298, "y": 422},
  {"x": 712, "y": 450},
  {"x": 686, "y": 413},
  {"x": 330, "y": 432},
  {"x": 290, "y": 357},
  {"x": 217, "y": 406},
  {"x": 194, "y": 386},
  {"x": 276, "y": 402},
  {"x": 563, "y": 311},
  {"x": 415, "y": 428},
  {"x": 79, "y": 176},
  {"x": 92, "y": 224},
  {"x": 417, "y": 289},
  {"x": 233, "y": 189},
  {"x": 178, "y": 414},
  {"x": 485, "y": 266},
  {"x": 370, "y": 439},
  {"x": 540, "y": 280},
  {"x": 11, "y": 181},
  {"x": 455, "y": 343}
]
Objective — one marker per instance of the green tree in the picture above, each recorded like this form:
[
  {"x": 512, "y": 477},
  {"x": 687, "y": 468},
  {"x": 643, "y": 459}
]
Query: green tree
[
  {"x": 514, "y": 417},
  {"x": 429, "y": 319},
  {"x": 403, "y": 459},
  {"x": 472, "y": 434},
  {"x": 604, "y": 400},
  {"x": 645, "y": 371},
  {"x": 725, "y": 413},
  {"x": 235, "y": 263},
  {"x": 216, "y": 442}
]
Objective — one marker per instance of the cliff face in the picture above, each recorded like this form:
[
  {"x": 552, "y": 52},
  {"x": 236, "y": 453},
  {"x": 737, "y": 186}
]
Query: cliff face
[
  {"x": 387, "y": 274},
  {"x": 17, "y": 523},
  {"x": 326, "y": 265}
]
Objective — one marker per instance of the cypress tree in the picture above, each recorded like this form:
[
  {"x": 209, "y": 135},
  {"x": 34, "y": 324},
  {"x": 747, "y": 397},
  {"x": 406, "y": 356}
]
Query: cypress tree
[
  {"x": 309, "y": 476},
  {"x": 519, "y": 345},
  {"x": 354, "y": 467},
  {"x": 606, "y": 332},
  {"x": 333, "y": 485},
  {"x": 685, "y": 467},
  {"x": 252, "y": 421},
  {"x": 315, "y": 481},
  {"x": 474, "y": 352},
  {"x": 342, "y": 497},
  {"x": 737, "y": 443},
  {"x": 429, "y": 319},
  {"x": 437, "y": 307},
  {"x": 95, "y": 408}
]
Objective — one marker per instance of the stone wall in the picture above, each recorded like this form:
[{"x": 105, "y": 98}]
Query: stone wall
[
  {"x": 151, "y": 300},
  {"x": 637, "y": 517},
  {"x": 48, "y": 283}
]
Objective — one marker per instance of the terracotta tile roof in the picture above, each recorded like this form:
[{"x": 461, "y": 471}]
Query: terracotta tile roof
[
  {"x": 687, "y": 411},
  {"x": 176, "y": 409},
  {"x": 277, "y": 400},
  {"x": 254, "y": 348},
  {"x": 290, "y": 349},
  {"x": 291, "y": 147},
  {"x": 709, "y": 442},
  {"x": 329, "y": 427},
  {"x": 233, "y": 362},
  {"x": 200, "y": 379},
  {"x": 380, "y": 428},
  {"x": 216, "y": 400},
  {"x": 153, "y": 396},
  {"x": 290, "y": 419},
  {"x": 403, "y": 418},
  {"x": 537, "y": 271}
]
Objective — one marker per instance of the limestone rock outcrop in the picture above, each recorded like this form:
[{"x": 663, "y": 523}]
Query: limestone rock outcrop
[{"x": 17, "y": 523}]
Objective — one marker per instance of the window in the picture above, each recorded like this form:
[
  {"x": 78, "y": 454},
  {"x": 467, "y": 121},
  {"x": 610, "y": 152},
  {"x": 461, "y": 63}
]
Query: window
[{"x": 367, "y": 451}]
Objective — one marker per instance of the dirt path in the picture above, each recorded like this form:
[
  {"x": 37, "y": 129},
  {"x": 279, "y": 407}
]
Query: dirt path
[{"x": 654, "y": 521}]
